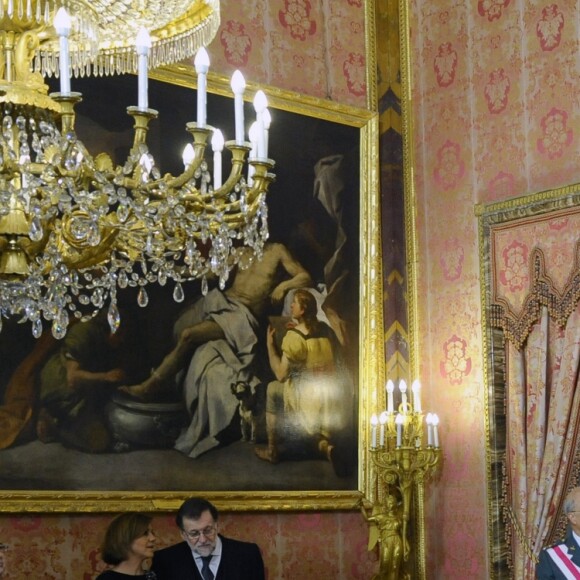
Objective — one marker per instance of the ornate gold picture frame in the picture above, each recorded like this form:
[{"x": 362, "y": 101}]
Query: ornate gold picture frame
[{"x": 304, "y": 131}]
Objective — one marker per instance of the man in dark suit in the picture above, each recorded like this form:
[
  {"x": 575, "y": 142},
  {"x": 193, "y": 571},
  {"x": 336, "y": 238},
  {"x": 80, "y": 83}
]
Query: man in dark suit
[
  {"x": 562, "y": 560},
  {"x": 204, "y": 554}
]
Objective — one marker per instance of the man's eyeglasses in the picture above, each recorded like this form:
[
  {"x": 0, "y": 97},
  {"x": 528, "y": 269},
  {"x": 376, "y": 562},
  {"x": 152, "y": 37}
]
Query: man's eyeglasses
[{"x": 208, "y": 532}]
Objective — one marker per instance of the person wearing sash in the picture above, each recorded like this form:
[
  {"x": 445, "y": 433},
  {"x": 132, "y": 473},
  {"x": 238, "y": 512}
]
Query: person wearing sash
[{"x": 562, "y": 560}]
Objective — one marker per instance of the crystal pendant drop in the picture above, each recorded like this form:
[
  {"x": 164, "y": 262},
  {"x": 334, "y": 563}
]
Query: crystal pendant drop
[
  {"x": 123, "y": 279},
  {"x": 59, "y": 325},
  {"x": 37, "y": 328},
  {"x": 122, "y": 213},
  {"x": 94, "y": 236},
  {"x": 178, "y": 294},
  {"x": 36, "y": 232},
  {"x": 113, "y": 317},
  {"x": 142, "y": 297},
  {"x": 204, "y": 286}
]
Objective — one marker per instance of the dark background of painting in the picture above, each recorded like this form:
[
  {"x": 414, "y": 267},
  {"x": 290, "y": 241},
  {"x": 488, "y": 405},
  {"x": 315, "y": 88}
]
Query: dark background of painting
[{"x": 296, "y": 218}]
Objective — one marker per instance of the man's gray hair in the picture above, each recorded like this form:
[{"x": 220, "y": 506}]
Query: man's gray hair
[{"x": 569, "y": 504}]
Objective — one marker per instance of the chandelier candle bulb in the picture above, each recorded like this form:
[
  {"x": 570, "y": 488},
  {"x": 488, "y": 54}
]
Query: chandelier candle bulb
[
  {"x": 382, "y": 422},
  {"x": 142, "y": 45},
  {"x": 62, "y": 25},
  {"x": 253, "y": 134},
  {"x": 201, "y": 63},
  {"x": 399, "y": 422},
  {"x": 374, "y": 423},
  {"x": 390, "y": 390},
  {"x": 217, "y": 145},
  {"x": 267, "y": 122},
  {"x": 260, "y": 104},
  {"x": 238, "y": 85},
  {"x": 416, "y": 388},
  {"x": 188, "y": 155},
  {"x": 435, "y": 420}
]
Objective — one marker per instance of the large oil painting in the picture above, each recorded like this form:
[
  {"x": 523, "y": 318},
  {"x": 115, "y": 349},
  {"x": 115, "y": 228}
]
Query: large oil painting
[{"x": 179, "y": 400}]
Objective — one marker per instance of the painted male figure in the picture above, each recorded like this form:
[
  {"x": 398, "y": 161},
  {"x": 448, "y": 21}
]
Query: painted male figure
[
  {"x": 563, "y": 559},
  {"x": 239, "y": 307},
  {"x": 216, "y": 346},
  {"x": 205, "y": 554}
]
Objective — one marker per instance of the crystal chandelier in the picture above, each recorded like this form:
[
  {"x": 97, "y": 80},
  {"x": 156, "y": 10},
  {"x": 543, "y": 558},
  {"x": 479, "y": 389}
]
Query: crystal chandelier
[{"x": 74, "y": 229}]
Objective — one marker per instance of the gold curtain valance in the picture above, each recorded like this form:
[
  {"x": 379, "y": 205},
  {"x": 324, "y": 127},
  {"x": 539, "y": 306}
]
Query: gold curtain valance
[{"x": 543, "y": 293}]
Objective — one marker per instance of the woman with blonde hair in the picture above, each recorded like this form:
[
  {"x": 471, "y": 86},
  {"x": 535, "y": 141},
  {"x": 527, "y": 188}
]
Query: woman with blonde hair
[{"x": 128, "y": 544}]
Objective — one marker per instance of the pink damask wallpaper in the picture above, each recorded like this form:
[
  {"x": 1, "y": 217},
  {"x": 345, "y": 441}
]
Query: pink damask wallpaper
[
  {"x": 315, "y": 48},
  {"x": 496, "y": 115},
  {"x": 309, "y": 545}
]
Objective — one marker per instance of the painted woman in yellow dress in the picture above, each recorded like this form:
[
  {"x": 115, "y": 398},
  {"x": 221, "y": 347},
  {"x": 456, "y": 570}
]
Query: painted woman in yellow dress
[{"x": 305, "y": 403}]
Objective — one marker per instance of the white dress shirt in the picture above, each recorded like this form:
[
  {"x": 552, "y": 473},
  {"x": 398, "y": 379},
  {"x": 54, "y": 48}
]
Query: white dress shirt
[{"x": 215, "y": 560}]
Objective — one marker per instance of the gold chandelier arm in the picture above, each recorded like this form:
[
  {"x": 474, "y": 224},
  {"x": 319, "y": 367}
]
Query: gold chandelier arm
[
  {"x": 260, "y": 183},
  {"x": 193, "y": 194},
  {"x": 261, "y": 179},
  {"x": 151, "y": 188},
  {"x": 232, "y": 210},
  {"x": 239, "y": 153},
  {"x": 200, "y": 138},
  {"x": 141, "y": 119},
  {"x": 67, "y": 105}
]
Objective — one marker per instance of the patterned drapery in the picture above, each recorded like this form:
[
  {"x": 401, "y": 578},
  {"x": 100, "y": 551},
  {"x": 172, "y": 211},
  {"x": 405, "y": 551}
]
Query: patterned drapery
[
  {"x": 543, "y": 403},
  {"x": 535, "y": 302}
]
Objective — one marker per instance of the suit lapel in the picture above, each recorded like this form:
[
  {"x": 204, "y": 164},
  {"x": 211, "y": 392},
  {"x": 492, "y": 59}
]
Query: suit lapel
[
  {"x": 190, "y": 565},
  {"x": 222, "y": 568}
]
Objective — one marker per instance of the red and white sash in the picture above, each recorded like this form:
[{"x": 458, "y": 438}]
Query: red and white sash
[{"x": 564, "y": 563}]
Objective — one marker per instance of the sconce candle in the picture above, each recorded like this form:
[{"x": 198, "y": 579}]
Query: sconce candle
[
  {"x": 403, "y": 389},
  {"x": 429, "y": 421},
  {"x": 382, "y": 420},
  {"x": 416, "y": 388},
  {"x": 201, "y": 63},
  {"x": 399, "y": 422},
  {"x": 435, "y": 420},
  {"x": 62, "y": 25},
  {"x": 374, "y": 423},
  {"x": 239, "y": 86},
  {"x": 390, "y": 390}
]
